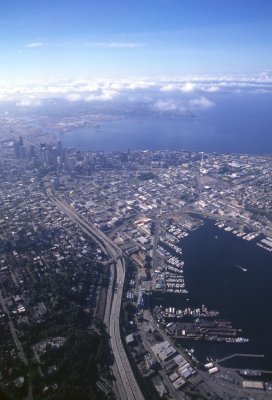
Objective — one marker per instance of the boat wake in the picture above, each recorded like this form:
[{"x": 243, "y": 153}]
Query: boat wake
[{"x": 240, "y": 267}]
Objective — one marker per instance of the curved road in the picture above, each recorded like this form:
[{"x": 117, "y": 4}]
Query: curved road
[{"x": 127, "y": 385}]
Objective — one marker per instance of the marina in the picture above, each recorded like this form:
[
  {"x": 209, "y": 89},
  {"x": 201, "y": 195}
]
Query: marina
[
  {"x": 219, "y": 273},
  {"x": 263, "y": 242},
  {"x": 198, "y": 324},
  {"x": 168, "y": 276}
]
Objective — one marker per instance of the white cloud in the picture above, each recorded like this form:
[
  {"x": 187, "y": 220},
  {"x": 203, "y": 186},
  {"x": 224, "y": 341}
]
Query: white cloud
[
  {"x": 188, "y": 87},
  {"x": 3, "y": 97},
  {"x": 28, "y": 102},
  {"x": 105, "y": 45},
  {"x": 211, "y": 89},
  {"x": 140, "y": 85},
  {"x": 36, "y": 44},
  {"x": 179, "y": 85},
  {"x": 104, "y": 95},
  {"x": 201, "y": 102},
  {"x": 118, "y": 45},
  {"x": 169, "y": 105},
  {"x": 74, "y": 97},
  {"x": 170, "y": 87},
  {"x": 186, "y": 91}
]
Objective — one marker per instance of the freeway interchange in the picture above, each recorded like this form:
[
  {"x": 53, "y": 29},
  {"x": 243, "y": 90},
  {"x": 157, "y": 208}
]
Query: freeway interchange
[{"x": 127, "y": 387}]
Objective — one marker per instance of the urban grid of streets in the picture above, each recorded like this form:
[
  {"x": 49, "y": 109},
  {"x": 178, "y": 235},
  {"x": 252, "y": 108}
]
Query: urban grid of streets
[
  {"x": 126, "y": 382},
  {"x": 122, "y": 193}
]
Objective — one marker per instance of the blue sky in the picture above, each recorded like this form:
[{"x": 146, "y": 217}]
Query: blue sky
[{"x": 51, "y": 40}]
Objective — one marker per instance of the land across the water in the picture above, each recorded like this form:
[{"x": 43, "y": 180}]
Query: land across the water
[
  {"x": 236, "y": 124},
  {"x": 213, "y": 277}
]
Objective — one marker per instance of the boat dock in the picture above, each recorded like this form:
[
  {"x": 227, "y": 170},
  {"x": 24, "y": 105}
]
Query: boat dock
[{"x": 240, "y": 355}]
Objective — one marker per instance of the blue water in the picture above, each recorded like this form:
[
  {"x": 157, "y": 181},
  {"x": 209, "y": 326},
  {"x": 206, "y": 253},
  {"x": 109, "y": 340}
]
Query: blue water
[
  {"x": 243, "y": 297},
  {"x": 237, "y": 123}
]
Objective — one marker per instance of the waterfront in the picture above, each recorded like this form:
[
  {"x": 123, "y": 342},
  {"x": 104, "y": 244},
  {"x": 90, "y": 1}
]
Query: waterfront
[
  {"x": 125, "y": 204},
  {"x": 243, "y": 297}
]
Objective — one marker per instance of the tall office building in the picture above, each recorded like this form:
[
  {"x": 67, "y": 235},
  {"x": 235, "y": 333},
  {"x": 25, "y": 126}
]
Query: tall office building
[{"x": 60, "y": 149}]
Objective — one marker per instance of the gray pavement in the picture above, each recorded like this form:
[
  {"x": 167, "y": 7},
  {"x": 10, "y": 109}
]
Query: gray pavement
[{"x": 128, "y": 388}]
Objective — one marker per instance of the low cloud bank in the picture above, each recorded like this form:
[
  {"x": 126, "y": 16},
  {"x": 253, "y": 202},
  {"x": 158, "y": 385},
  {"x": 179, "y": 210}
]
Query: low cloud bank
[{"x": 166, "y": 93}]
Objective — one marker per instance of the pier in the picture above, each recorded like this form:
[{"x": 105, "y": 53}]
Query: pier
[{"x": 240, "y": 355}]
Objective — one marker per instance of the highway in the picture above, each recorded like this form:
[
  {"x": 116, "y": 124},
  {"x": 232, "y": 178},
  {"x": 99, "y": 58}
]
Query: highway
[{"x": 128, "y": 388}]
